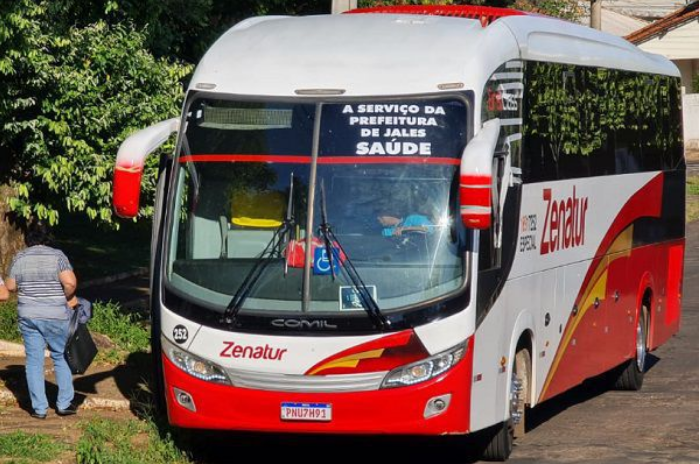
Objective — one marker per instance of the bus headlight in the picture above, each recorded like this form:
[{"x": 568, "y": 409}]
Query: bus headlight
[
  {"x": 426, "y": 369},
  {"x": 194, "y": 365}
]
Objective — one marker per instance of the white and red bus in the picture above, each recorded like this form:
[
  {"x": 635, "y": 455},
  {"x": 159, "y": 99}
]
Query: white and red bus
[{"x": 411, "y": 220}]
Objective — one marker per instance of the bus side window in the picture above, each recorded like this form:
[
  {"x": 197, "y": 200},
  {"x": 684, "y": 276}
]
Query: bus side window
[{"x": 584, "y": 121}]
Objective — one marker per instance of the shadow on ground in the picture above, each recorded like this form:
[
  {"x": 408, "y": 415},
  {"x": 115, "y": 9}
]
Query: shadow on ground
[
  {"x": 588, "y": 390},
  {"x": 125, "y": 381}
]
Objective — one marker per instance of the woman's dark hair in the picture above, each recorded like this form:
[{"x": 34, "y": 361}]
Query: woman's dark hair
[{"x": 38, "y": 234}]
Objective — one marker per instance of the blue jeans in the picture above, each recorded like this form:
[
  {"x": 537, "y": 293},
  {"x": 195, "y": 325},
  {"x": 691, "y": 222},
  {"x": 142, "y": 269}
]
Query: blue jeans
[{"x": 38, "y": 333}]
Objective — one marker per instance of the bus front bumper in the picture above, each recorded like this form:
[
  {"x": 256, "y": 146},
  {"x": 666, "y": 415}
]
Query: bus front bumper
[{"x": 398, "y": 411}]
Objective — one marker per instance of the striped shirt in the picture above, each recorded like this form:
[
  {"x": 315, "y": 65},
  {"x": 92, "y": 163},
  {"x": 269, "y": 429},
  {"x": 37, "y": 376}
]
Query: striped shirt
[{"x": 40, "y": 293}]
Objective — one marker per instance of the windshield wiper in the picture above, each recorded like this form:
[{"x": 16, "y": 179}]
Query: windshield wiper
[
  {"x": 330, "y": 240},
  {"x": 271, "y": 251},
  {"x": 276, "y": 244}
]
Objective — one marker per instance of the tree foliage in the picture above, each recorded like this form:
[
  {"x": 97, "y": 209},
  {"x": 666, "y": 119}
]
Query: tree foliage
[
  {"x": 70, "y": 96},
  {"x": 77, "y": 77},
  {"x": 578, "y": 110}
]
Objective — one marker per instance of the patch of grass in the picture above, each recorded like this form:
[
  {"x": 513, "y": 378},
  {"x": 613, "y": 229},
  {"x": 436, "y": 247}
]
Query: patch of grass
[
  {"x": 8, "y": 322},
  {"x": 692, "y": 210},
  {"x": 29, "y": 447},
  {"x": 126, "y": 442},
  {"x": 129, "y": 331}
]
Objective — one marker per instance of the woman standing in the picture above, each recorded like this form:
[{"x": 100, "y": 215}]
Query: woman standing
[{"x": 46, "y": 285}]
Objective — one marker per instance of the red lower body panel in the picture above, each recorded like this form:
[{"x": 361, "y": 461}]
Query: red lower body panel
[
  {"x": 605, "y": 336},
  {"x": 387, "y": 411}
]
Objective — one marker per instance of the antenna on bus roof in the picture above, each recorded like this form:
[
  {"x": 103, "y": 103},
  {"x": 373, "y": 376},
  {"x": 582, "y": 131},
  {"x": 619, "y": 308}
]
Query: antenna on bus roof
[{"x": 485, "y": 14}]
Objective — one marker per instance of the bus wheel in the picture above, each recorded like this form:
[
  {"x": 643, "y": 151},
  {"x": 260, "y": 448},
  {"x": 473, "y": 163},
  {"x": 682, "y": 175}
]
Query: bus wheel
[
  {"x": 500, "y": 444},
  {"x": 632, "y": 374}
]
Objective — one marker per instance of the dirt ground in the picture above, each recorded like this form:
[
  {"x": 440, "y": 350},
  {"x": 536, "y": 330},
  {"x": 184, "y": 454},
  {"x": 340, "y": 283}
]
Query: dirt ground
[{"x": 104, "y": 392}]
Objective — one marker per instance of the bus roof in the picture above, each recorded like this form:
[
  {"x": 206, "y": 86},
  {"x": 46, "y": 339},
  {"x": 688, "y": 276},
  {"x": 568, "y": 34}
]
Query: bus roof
[{"x": 398, "y": 54}]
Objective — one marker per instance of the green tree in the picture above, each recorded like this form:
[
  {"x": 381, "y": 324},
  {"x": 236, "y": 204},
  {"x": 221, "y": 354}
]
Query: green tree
[
  {"x": 570, "y": 10},
  {"x": 177, "y": 28},
  {"x": 69, "y": 98},
  {"x": 78, "y": 76}
]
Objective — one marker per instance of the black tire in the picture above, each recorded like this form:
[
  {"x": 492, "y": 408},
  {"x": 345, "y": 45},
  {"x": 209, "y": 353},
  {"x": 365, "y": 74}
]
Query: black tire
[
  {"x": 157, "y": 380},
  {"x": 630, "y": 376},
  {"x": 500, "y": 443}
]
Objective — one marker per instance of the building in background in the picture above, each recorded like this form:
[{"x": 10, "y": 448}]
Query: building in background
[
  {"x": 645, "y": 10},
  {"x": 675, "y": 36}
]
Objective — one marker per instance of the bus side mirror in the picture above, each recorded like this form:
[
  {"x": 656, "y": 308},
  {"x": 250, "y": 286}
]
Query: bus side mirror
[
  {"x": 475, "y": 177},
  {"x": 130, "y": 161}
]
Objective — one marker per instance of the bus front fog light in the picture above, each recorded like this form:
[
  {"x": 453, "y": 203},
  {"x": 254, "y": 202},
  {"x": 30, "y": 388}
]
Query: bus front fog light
[
  {"x": 437, "y": 405},
  {"x": 184, "y": 399}
]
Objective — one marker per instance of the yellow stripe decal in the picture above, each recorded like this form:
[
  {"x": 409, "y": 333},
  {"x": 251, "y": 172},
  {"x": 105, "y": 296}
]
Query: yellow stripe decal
[{"x": 349, "y": 361}]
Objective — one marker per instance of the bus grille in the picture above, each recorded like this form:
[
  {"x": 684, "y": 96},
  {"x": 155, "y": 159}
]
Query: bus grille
[{"x": 306, "y": 383}]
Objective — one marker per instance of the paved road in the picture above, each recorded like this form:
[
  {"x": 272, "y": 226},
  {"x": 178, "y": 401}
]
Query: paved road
[{"x": 589, "y": 424}]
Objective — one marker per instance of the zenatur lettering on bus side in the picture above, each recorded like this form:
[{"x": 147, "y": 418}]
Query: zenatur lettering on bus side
[
  {"x": 564, "y": 222},
  {"x": 234, "y": 350}
]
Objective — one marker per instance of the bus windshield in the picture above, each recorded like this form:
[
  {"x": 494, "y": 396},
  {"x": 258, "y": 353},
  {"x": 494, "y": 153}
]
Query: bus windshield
[{"x": 382, "y": 177}]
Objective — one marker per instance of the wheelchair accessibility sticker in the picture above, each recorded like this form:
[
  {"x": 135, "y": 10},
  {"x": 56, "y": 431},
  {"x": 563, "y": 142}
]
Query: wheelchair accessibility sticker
[{"x": 322, "y": 265}]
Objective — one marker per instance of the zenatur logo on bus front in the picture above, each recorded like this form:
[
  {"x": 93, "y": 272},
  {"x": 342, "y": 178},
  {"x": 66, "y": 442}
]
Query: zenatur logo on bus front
[{"x": 265, "y": 352}]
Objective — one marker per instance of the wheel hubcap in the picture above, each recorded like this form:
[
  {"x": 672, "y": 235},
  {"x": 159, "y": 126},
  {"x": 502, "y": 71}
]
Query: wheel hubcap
[
  {"x": 516, "y": 386},
  {"x": 641, "y": 346}
]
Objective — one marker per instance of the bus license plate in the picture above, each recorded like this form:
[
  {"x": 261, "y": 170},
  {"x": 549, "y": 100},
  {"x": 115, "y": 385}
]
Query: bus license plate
[{"x": 319, "y": 412}]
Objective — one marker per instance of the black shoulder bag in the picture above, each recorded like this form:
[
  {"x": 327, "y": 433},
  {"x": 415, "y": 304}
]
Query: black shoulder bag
[{"x": 80, "y": 348}]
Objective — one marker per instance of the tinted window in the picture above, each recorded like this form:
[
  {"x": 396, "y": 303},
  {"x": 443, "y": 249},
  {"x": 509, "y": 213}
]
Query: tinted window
[{"x": 582, "y": 121}]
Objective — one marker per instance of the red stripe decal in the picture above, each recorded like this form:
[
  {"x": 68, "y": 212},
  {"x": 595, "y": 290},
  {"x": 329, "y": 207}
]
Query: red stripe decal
[
  {"x": 475, "y": 179},
  {"x": 322, "y": 160},
  {"x": 644, "y": 203},
  {"x": 475, "y": 197},
  {"x": 246, "y": 158},
  {"x": 392, "y": 351}
]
